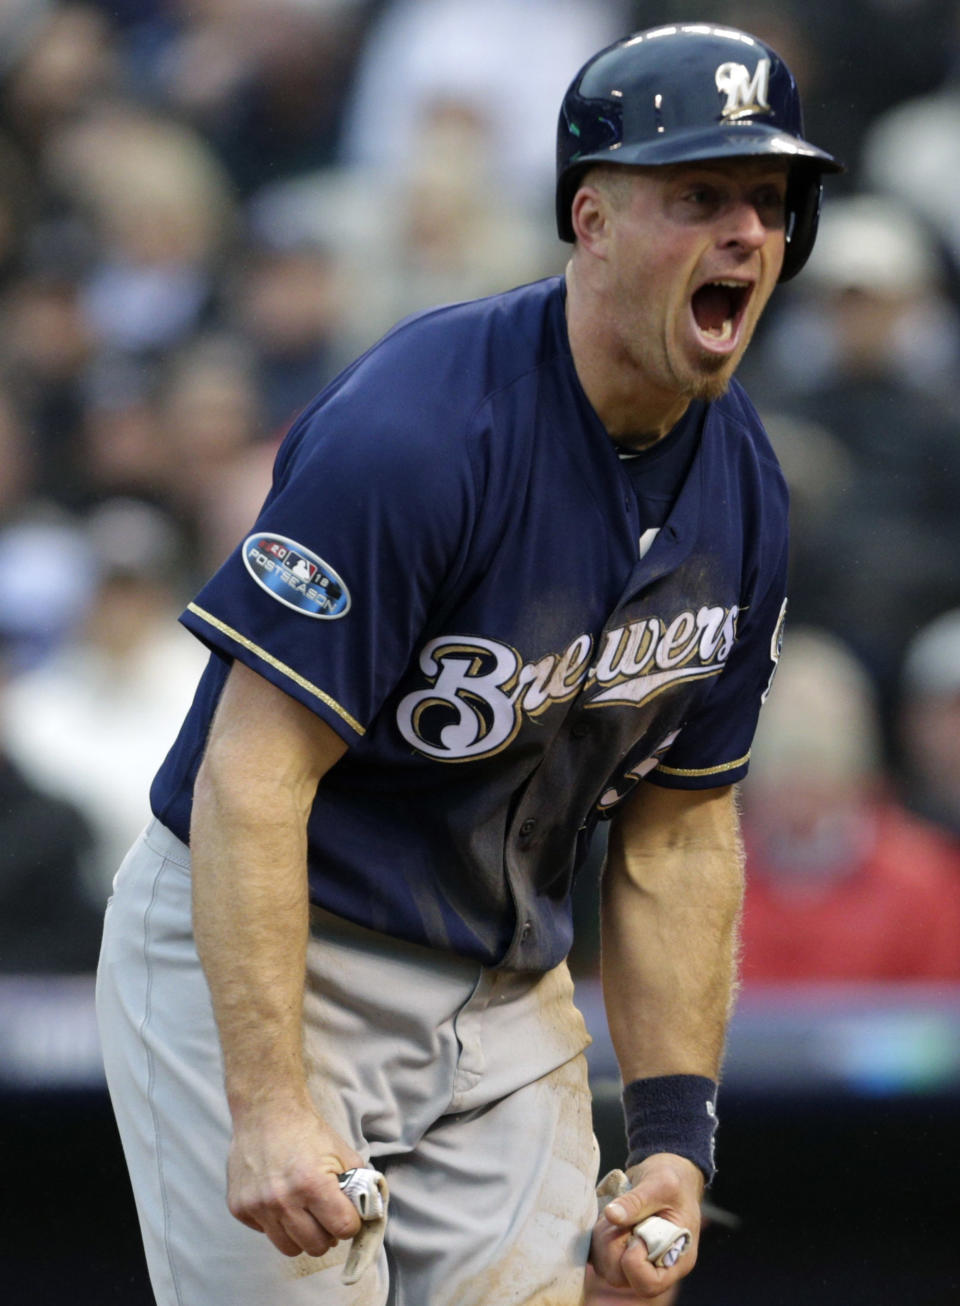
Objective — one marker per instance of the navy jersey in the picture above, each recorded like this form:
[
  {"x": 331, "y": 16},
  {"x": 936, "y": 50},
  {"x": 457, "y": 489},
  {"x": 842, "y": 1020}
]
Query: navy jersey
[{"x": 447, "y": 570}]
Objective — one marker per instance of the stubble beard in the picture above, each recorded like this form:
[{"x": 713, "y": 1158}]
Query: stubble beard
[
  {"x": 709, "y": 379},
  {"x": 712, "y": 387}
]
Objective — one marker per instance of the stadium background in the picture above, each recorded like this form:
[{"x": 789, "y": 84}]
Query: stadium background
[{"x": 206, "y": 208}]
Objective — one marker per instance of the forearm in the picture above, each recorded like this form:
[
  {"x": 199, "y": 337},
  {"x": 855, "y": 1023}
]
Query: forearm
[
  {"x": 248, "y": 851},
  {"x": 672, "y": 892},
  {"x": 264, "y": 759}
]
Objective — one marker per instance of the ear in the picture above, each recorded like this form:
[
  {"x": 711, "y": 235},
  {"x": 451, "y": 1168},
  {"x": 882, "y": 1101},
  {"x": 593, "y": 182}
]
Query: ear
[{"x": 590, "y": 215}]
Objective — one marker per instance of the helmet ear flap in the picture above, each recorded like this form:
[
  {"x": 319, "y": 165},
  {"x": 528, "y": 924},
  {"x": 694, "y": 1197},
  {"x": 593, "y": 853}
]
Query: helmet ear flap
[
  {"x": 804, "y": 194},
  {"x": 567, "y": 187}
]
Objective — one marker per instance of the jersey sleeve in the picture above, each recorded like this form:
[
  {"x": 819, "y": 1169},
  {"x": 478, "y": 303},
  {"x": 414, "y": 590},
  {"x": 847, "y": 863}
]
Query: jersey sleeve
[
  {"x": 713, "y": 748},
  {"x": 364, "y": 526}
]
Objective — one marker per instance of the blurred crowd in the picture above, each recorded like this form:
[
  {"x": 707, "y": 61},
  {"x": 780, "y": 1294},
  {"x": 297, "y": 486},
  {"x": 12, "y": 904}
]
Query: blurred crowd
[{"x": 208, "y": 207}]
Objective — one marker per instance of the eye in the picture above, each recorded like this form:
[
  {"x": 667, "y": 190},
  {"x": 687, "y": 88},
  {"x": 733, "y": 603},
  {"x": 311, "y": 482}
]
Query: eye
[
  {"x": 770, "y": 203},
  {"x": 700, "y": 199}
]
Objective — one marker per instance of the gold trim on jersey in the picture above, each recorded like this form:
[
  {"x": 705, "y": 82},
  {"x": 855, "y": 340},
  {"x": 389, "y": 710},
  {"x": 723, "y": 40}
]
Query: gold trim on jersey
[
  {"x": 707, "y": 770},
  {"x": 277, "y": 665}
]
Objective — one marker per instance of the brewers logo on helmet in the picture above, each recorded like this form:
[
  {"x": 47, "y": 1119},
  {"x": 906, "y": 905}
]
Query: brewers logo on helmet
[{"x": 688, "y": 93}]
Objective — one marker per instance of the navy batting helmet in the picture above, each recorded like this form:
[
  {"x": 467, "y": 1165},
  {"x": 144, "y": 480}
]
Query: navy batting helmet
[{"x": 684, "y": 93}]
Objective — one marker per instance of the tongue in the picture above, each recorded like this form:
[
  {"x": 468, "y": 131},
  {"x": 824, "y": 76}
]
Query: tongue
[{"x": 711, "y": 307}]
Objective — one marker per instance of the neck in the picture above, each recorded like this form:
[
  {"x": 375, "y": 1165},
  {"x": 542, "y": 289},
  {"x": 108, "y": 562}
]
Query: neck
[{"x": 634, "y": 411}]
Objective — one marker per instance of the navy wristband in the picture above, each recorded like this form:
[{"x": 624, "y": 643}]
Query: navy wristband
[{"x": 672, "y": 1113}]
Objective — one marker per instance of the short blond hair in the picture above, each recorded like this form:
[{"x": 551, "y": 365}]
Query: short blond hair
[{"x": 615, "y": 180}]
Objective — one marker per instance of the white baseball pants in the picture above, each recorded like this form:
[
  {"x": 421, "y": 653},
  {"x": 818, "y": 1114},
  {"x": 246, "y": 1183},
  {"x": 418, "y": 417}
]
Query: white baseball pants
[{"x": 467, "y": 1087}]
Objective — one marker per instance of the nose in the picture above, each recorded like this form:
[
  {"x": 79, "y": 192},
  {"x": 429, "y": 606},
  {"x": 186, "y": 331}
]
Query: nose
[{"x": 745, "y": 227}]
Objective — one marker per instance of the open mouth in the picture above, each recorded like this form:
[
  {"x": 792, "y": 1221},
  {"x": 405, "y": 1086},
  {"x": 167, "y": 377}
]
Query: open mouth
[{"x": 718, "y": 308}]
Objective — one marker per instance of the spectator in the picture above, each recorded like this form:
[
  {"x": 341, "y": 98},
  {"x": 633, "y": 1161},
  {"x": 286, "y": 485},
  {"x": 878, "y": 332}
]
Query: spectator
[
  {"x": 49, "y": 918},
  {"x": 120, "y": 450},
  {"x": 18, "y": 201},
  {"x": 37, "y": 619},
  {"x": 232, "y": 502},
  {"x": 912, "y": 150},
  {"x": 842, "y": 883},
  {"x": 881, "y": 560},
  {"x": 263, "y": 84},
  {"x": 160, "y": 207},
  {"x": 46, "y": 346},
  {"x": 443, "y": 231},
  {"x": 875, "y": 299},
  {"x": 16, "y": 460},
  {"x": 61, "y": 59},
  {"x": 423, "y": 53},
  {"x": 209, "y": 414},
  {"x": 929, "y": 721},
  {"x": 287, "y": 299},
  {"x": 88, "y": 722}
]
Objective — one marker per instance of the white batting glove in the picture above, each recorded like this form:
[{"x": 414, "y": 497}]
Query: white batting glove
[{"x": 367, "y": 1189}]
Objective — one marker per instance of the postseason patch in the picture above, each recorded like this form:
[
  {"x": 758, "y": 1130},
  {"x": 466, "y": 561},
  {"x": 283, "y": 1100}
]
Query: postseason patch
[{"x": 295, "y": 576}]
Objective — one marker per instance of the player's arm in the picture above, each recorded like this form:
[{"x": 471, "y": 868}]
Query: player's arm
[
  {"x": 265, "y": 756},
  {"x": 672, "y": 892}
]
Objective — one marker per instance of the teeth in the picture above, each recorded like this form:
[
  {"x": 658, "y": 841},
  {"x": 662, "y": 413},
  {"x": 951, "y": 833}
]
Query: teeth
[
  {"x": 736, "y": 285},
  {"x": 721, "y": 334}
]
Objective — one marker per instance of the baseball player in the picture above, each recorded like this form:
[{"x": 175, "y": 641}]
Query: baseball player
[{"x": 520, "y": 571}]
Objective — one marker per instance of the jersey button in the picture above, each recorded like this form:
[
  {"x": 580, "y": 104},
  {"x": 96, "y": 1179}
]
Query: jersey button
[
  {"x": 528, "y": 827},
  {"x": 525, "y": 931}
]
